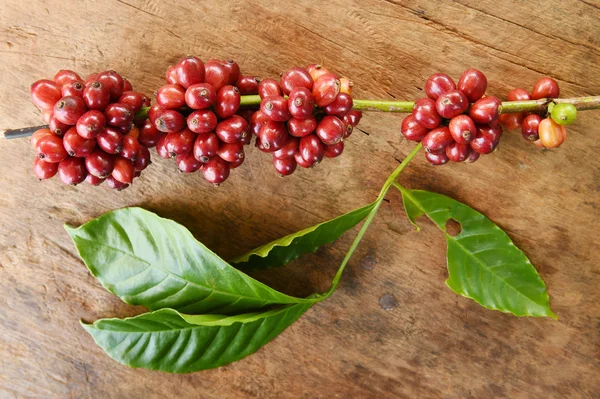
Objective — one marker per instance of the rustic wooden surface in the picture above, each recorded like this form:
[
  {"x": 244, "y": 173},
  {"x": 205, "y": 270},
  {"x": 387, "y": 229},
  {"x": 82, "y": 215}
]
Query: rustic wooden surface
[{"x": 434, "y": 343}]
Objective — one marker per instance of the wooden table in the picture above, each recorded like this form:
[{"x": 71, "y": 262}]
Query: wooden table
[{"x": 434, "y": 343}]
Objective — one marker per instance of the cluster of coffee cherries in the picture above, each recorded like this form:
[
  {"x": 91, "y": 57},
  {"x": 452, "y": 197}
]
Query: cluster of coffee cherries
[
  {"x": 90, "y": 136},
  {"x": 198, "y": 116},
  {"x": 450, "y": 128},
  {"x": 545, "y": 130},
  {"x": 303, "y": 117}
]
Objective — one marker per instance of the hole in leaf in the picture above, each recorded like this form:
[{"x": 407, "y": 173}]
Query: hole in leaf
[{"x": 453, "y": 227}]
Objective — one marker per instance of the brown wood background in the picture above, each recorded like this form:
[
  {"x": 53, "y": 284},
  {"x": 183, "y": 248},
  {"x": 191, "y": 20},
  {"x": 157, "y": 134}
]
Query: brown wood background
[{"x": 434, "y": 343}]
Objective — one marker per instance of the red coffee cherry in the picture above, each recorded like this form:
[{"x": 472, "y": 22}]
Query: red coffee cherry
[
  {"x": 100, "y": 164},
  {"x": 301, "y": 103},
  {"x": 180, "y": 142},
  {"x": 65, "y": 76},
  {"x": 458, "y": 152},
  {"x": 487, "y": 139},
  {"x": 216, "y": 171},
  {"x": 142, "y": 160},
  {"x": 171, "y": 96},
  {"x": 462, "y": 128},
  {"x": 190, "y": 71},
  {"x": 59, "y": 128},
  {"x": 96, "y": 96},
  {"x": 37, "y": 135},
  {"x": 485, "y": 110},
  {"x": 412, "y": 130},
  {"x": 111, "y": 182},
  {"x": 228, "y": 101},
  {"x": 91, "y": 124},
  {"x": 316, "y": 71},
  {"x": 330, "y": 130},
  {"x": 50, "y": 148},
  {"x": 206, "y": 147},
  {"x": 473, "y": 84},
  {"x": 76, "y": 145},
  {"x": 233, "y": 69},
  {"x": 231, "y": 152},
  {"x": 276, "y": 108},
  {"x": 425, "y": 113},
  {"x": 438, "y": 84},
  {"x": 334, "y": 150},
  {"x": 216, "y": 74},
  {"x": 202, "y": 121},
  {"x": 169, "y": 121},
  {"x": 232, "y": 130},
  {"x": 248, "y": 85},
  {"x": 436, "y": 141},
  {"x": 186, "y": 163},
  {"x": 123, "y": 170},
  {"x": 45, "y": 93},
  {"x": 114, "y": 82},
  {"x": 451, "y": 104},
  {"x": 119, "y": 115},
  {"x": 171, "y": 75},
  {"x": 326, "y": 89},
  {"x": 530, "y": 127},
  {"x": 302, "y": 127},
  {"x": 74, "y": 89},
  {"x": 288, "y": 150},
  {"x": 69, "y": 109},
  {"x": 545, "y": 88},
  {"x": 311, "y": 149},
  {"x": 257, "y": 122},
  {"x": 273, "y": 135},
  {"x": 285, "y": 166},
  {"x": 269, "y": 87},
  {"x": 295, "y": 77},
  {"x": 131, "y": 147},
  {"x": 72, "y": 171},
  {"x": 44, "y": 170},
  {"x": 149, "y": 134},
  {"x": 340, "y": 106},
  {"x": 110, "y": 140},
  {"x": 437, "y": 159}
]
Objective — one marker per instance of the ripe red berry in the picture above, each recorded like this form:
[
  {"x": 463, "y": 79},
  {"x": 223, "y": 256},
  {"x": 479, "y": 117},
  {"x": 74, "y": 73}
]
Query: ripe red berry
[
  {"x": 530, "y": 127},
  {"x": 485, "y": 110},
  {"x": 518, "y": 95},
  {"x": 91, "y": 77},
  {"x": 269, "y": 87},
  {"x": 123, "y": 170},
  {"x": 74, "y": 88},
  {"x": 93, "y": 180},
  {"x": 228, "y": 101},
  {"x": 311, "y": 149},
  {"x": 473, "y": 156},
  {"x": 45, "y": 93},
  {"x": 438, "y": 84},
  {"x": 206, "y": 147},
  {"x": 276, "y": 108},
  {"x": 76, "y": 145},
  {"x": 248, "y": 85},
  {"x": 161, "y": 147},
  {"x": 458, "y": 152},
  {"x": 340, "y": 106},
  {"x": 57, "y": 127},
  {"x": 451, "y": 104},
  {"x": 91, "y": 124},
  {"x": 216, "y": 74},
  {"x": 190, "y": 71},
  {"x": 65, "y": 76},
  {"x": 301, "y": 102},
  {"x": 353, "y": 117},
  {"x": 462, "y": 128},
  {"x": 154, "y": 112},
  {"x": 436, "y": 141},
  {"x": 302, "y": 127},
  {"x": 134, "y": 99},
  {"x": 234, "y": 71},
  {"x": 46, "y": 115},
  {"x": 285, "y": 166},
  {"x": 72, "y": 170},
  {"x": 232, "y": 130},
  {"x": 110, "y": 140},
  {"x": 149, "y": 134},
  {"x": 473, "y": 84},
  {"x": 180, "y": 142},
  {"x": 127, "y": 85},
  {"x": 326, "y": 89},
  {"x": 257, "y": 122},
  {"x": 44, "y": 170},
  {"x": 37, "y": 135},
  {"x": 99, "y": 163},
  {"x": 171, "y": 96},
  {"x": 169, "y": 121},
  {"x": 412, "y": 130},
  {"x": 288, "y": 150},
  {"x": 330, "y": 130},
  {"x": 187, "y": 163},
  {"x": 437, "y": 159},
  {"x": 334, "y": 150},
  {"x": 349, "y": 129},
  {"x": 425, "y": 113},
  {"x": 202, "y": 121},
  {"x": 487, "y": 139},
  {"x": 545, "y": 88},
  {"x": 142, "y": 160},
  {"x": 119, "y": 115},
  {"x": 216, "y": 171},
  {"x": 131, "y": 147},
  {"x": 111, "y": 182},
  {"x": 96, "y": 96},
  {"x": 295, "y": 77},
  {"x": 273, "y": 135},
  {"x": 50, "y": 148},
  {"x": 200, "y": 96},
  {"x": 171, "y": 75},
  {"x": 231, "y": 152},
  {"x": 114, "y": 82},
  {"x": 316, "y": 71},
  {"x": 69, "y": 109}
]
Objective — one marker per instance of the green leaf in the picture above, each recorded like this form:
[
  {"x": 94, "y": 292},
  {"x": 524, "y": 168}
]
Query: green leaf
[
  {"x": 177, "y": 343},
  {"x": 290, "y": 247},
  {"x": 483, "y": 263},
  {"x": 154, "y": 262}
]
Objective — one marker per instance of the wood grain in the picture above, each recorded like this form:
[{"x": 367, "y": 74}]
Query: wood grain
[{"x": 434, "y": 343}]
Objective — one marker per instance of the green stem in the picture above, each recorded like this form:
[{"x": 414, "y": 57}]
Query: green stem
[
  {"x": 386, "y": 186},
  {"x": 385, "y": 106}
]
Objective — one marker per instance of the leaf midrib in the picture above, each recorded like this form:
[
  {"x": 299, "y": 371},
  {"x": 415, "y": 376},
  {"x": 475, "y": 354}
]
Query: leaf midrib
[{"x": 451, "y": 238}]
